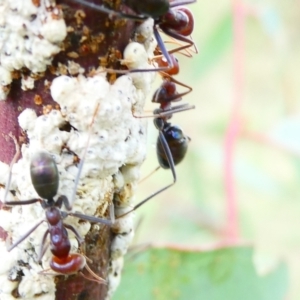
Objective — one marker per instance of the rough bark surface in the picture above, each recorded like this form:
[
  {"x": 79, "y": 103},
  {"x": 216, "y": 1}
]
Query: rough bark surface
[{"x": 103, "y": 38}]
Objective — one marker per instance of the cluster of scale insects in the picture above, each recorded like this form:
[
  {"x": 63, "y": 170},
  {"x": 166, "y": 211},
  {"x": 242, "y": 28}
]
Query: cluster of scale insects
[{"x": 175, "y": 21}]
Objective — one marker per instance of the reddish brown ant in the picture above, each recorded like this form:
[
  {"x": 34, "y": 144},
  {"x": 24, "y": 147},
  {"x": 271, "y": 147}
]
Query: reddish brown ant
[{"x": 45, "y": 180}]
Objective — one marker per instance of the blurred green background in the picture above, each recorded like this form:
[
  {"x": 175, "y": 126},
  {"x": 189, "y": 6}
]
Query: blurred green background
[{"x": 266, "y": 163}]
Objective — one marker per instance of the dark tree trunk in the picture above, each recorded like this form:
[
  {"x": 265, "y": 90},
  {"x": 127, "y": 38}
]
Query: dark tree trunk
[{"x": 92, "y": 39}]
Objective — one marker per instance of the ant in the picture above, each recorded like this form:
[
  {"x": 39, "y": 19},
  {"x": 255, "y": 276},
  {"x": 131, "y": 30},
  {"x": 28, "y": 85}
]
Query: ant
[
  {"x": 171, "y": 146},
  {"x": 176, "y": 22},
  {"x": 45, "y": 180},
  {"x": 172, "y": 143}
]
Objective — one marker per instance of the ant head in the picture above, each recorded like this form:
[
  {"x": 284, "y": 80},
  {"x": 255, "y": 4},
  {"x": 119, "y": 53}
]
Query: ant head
[
  {"x": 165, "y": 94},
  {"x": 179, "y": 20},
  {"x": 44, "y": 174}
]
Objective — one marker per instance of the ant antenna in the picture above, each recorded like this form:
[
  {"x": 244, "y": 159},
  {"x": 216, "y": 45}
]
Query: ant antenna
[
  {"x": 14, "y": 160},
  {"x": 83, "y": 155}
]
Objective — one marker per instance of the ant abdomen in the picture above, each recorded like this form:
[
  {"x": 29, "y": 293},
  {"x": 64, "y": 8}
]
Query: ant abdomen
[
  {"x": 189, "y": 27},
  {"x": 44, "y": 174},
  {"x": 177, "y": 142},
  {"x": 149, "y": 8},
  {"x": 175, "y": 19},
  {"x": 180, "y": 20},
  {"x": 73, "y": 263}
]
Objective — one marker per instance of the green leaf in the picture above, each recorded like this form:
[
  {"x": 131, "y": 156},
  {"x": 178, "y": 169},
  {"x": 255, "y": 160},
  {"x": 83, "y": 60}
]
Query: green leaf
[{"x": 228, "y": 273}]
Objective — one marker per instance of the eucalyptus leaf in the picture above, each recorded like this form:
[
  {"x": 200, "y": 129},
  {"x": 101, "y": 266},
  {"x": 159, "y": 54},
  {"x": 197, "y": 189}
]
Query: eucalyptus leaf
[{"x": 227, "y": 273}]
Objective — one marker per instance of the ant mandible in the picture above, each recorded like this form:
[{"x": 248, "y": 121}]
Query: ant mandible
[
  {"x": 177, "y": 22},
  {"x": 45, "y": 180}
]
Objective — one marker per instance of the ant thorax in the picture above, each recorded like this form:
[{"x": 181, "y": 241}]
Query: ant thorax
[{"x": 102, "y": 131}]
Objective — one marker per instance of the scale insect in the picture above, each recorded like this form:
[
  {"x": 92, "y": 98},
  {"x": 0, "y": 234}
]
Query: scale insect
[{"x": 176, "y": 22}]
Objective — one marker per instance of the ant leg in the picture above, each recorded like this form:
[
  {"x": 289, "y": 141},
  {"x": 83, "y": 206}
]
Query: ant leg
[
  {"x": 14, "y": 160},
  {"x": 22, "y": 238},
  {"x": 97, "y": 278},
  {"x": 195, "y": 47},
  {"x": 91, "y": 219},
  {"x": 63, "y": 200},
  {"x": 79, "y": 239},
  {"x": 175, "y": 3},
  {"x": 179, "y": 37},
  {"x": 186, "y": 52},
  {"x": 175, "y": 109},
  {"x": 135, "y": 250},
  {"x": 82, "y": 159},
  {"x": 178, "y": 82},
  {"x": 169, "y": 156},
  {"x": 163, "y": 49},
  {"x": 178, "y": 49},
  {"x": 167, "y": 112},
  {"x": 43, "y": 246},
  {"x": 46, "y": 272},
  {"x": 150, "y": 174},
  {"x": 25, "y": 202}
]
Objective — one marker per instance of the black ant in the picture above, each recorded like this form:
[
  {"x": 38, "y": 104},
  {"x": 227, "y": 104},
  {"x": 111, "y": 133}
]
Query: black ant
[
  {"x": 177, "y": 22},
  {"x": 171, "y": 147},
  {"x": 45, "y": 180},
  {"x": 172, "y": 143}
]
